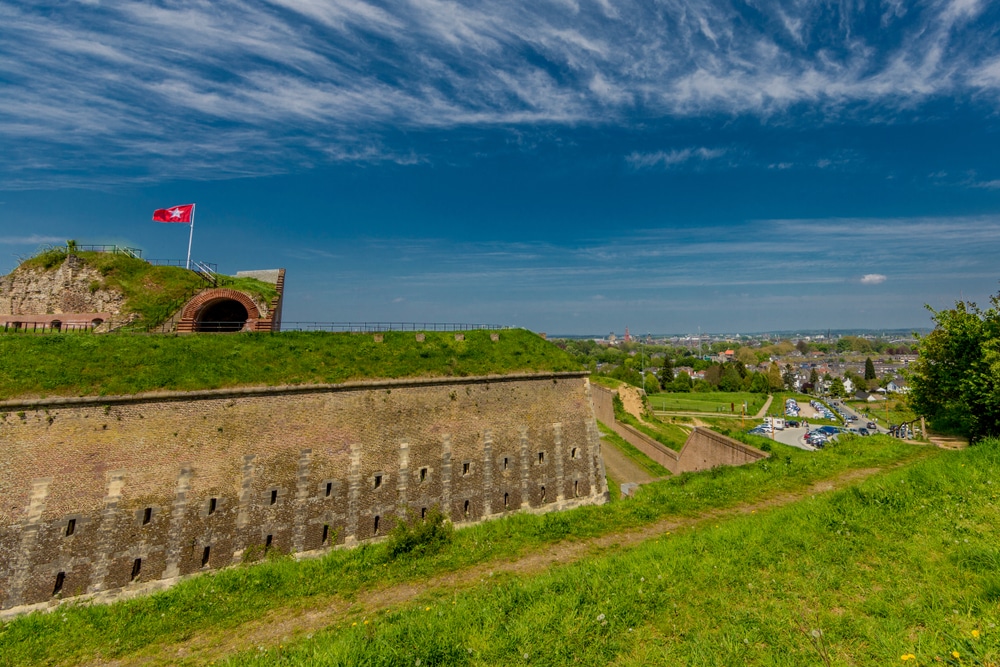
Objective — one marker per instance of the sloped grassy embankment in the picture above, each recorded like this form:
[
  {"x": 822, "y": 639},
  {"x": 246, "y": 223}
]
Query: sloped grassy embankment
[
  {"x": 904, "y": 563},
  {"x": 115, "y": 364}
]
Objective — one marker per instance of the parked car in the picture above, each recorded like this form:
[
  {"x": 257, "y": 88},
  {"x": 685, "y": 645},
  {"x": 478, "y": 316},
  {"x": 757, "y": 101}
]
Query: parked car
[
  {"x": 871, "y": 425},
  {"x": 792, "y": 424},
  {"x": 863, "y": 431}
]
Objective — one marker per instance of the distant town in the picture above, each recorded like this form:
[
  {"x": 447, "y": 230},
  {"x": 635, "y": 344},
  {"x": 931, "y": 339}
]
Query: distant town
[{"x": 860, "y": 364}]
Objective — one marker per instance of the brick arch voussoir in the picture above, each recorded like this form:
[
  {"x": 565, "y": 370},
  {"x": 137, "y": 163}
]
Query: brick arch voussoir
[{"x": 202, "y": 299}]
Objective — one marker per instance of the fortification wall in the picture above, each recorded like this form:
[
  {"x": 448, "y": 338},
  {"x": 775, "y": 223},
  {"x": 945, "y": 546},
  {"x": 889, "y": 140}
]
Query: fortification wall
[
  {"x": 72, "y": 288},
  {"x": 106, "y": 493},
  {"x": 703, "y": 449}
]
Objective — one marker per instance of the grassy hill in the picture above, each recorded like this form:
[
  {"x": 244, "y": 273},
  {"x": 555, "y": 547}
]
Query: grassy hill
[
  {"x": 85, "y": 365},
  {"x": 869, "y": 551},
  {"x": 154, "y": 293}
]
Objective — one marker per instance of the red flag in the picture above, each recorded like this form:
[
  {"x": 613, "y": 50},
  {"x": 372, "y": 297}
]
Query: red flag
[{"x": 174, "y": 214}]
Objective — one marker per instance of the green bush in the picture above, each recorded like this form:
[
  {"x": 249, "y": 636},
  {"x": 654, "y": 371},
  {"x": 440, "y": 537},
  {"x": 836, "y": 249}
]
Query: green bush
[{"x": 419, "y": 536}]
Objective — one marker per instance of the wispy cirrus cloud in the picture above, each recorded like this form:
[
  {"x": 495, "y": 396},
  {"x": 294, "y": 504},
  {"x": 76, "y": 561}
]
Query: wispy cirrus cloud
[
  {"x": 208, "y": 89},
  {"x": 31, "y": 239},
  {"x": 672, "y": 158}
]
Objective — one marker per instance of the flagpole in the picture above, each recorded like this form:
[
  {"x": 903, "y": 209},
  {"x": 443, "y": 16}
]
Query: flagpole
[{"x": 190, "y": 237}]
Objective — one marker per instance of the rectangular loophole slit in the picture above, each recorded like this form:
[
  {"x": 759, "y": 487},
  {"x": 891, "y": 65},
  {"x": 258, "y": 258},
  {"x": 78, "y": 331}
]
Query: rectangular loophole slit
[
  {"x": 136, "y": 569},
  {"x": 205, "y": 555},
  {"x": 147, "y": 515},
  {"x": 60, "y": 580},
  {"x": 70, "y": 527},
  {"x": 377, "y": 520},
  {"x": 378, "y": 481},
  {"x": 505, "y": 463},
  {"x": 274, "y": 496},
  {"x": 267, "y": 542},
  {"x": 326, "y": 533},
  {"x": 466, "y": 508},
  {"x": 541, "y": 457},
  {"x": 329, "y": 489},
  {"x": 576, "y": 487},
  {"x": 506, "y": 500},
  {"x": 423, "y": 474},
  {"x": 466, "y": 467},
  {"x": 543, "y": 493},
  {"x": 213, "y": 504},
  {"x": 572, "y": 453},
  {"x": 423, "y": 512}
]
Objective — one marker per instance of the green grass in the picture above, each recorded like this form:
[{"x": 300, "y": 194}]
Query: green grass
[
  {"x": 152, "y": 292},
  {"x": 630, "y": 452},
  {"x": 127, "y": 364},
  {"x": 550, "y": 617},
  {"x": 605, "y": 381},
  {"x": 862, "y": 576},
  {"x": 668, "y": 435},
  {"x": 714, "y": 402},
  {"x": 899, "y": 411}
]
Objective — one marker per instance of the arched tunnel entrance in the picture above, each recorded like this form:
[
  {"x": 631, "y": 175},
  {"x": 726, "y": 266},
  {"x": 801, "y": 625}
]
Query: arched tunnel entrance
[{"x": 222, "y": 315}]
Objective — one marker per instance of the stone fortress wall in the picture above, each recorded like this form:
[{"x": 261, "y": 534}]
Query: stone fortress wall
[
  {"x": 704, "y": 448},
  {"x": 68, "y": 295},
  {"x": 106, "y": 493}
]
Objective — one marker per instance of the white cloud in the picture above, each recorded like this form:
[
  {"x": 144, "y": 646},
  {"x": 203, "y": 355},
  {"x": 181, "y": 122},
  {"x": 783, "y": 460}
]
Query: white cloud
[
  {"x": 873, "y": 279},
  {"x": 110, "y": 83},
  {"x": 672, "y": 158},
  {"x": 33, "y": 239}
]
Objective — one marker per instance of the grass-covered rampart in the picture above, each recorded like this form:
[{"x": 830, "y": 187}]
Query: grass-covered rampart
[
  {"x": 61, "y": 365},
  {"x": 686, "y": 598},
  {"x": 153, "y": 293}
]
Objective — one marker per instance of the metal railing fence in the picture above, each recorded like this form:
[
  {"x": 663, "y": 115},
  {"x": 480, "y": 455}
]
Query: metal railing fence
[
  {"x": 375, "y": 327},
  {"x": 28, "y": 327}
]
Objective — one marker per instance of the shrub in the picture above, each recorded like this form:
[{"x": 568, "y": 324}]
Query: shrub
[{"x": 419, "y": 536}]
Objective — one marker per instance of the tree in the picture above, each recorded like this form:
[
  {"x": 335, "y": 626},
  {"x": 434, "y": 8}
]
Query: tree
[
  {"x": 682, "y": 382},
  {"x": 774, "y": 379},
  {"x": 650, "y": 384},
  {"x": 837, "y": 388},
  {"x": 731, "y": 380},
  {"x": 802, "y": 347},
  {"x": 713, "y": 374},
  {"x": 788, "y": 377},
  {"x": 869, "y": 369},
  {"x": 955, "y": 381},
  {"x": 759, "y": 384},
  {"x": 666, "y": 371},
  {"x": 746, "y": 356},
  {"x": 813, "y": 377}
]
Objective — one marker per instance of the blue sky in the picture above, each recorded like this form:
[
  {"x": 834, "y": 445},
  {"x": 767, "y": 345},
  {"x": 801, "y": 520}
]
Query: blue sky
[{"x": 570, "y": 166}]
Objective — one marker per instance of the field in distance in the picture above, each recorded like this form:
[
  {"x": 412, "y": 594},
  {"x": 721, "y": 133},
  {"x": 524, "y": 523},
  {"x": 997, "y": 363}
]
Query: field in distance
[{"x": 722, "y": 402}]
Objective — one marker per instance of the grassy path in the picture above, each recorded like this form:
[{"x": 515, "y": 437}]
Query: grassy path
[{"x": 283, "y": 625}]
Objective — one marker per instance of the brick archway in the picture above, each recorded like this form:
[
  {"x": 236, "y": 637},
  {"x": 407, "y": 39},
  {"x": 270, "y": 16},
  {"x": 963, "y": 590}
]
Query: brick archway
[{"x": 197, "y": 305}]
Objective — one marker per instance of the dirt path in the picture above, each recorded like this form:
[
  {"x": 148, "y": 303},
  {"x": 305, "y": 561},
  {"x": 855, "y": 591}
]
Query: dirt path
[
  {"x": 621, "y": 468},
  {"x": 284, "y": 625},
  {"x": 948, "y": 441},
  {"x": 763, "y": 411}
]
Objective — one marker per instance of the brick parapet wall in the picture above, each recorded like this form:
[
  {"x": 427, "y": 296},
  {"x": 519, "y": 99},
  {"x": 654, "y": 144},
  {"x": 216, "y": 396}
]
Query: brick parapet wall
[{"x": 94, "y": 485}]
